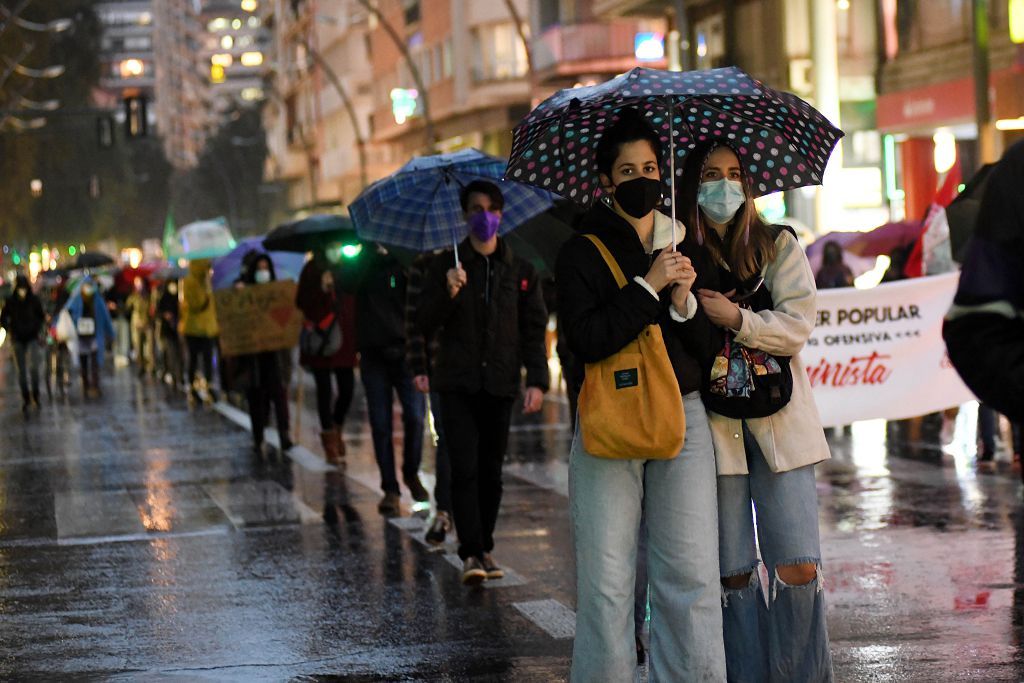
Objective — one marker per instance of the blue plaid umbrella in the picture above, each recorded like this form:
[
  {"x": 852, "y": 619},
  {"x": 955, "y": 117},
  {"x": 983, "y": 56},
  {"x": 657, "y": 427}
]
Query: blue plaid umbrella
[{"x": 418, "y": 207}]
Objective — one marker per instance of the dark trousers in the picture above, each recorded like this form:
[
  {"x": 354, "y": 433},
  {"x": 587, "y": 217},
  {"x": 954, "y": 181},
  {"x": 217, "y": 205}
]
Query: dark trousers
[
  {"x": 333, "y": 416},
  {"x": 89, "y": 363},
  {"x": 260, "y": 400},
  {"x": 28, "y": 356},
  {"x": 384, "y": 376},
  {"x": 476, "y": 427},
  {"x": 200, "y": 346},
  {"x": 988, "y": 427},
  {"x": 442, "y": 461},
  {"x": 171, "y": 354}
]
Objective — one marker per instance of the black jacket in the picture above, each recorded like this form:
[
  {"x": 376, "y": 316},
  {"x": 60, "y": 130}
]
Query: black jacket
[
  {"x": 599, "y": 319},
  {"x": 23, "y": 318},
  {"x": 493, "y": 327},
  {"x": 984, "y": 330},
  {"x": 379, "y": 286}
]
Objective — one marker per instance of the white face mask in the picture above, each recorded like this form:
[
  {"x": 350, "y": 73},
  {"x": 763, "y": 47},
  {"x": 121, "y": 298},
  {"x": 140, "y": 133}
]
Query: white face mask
[
  {"x": 262, "y": 277},
  {"x": 87, "y": 290},
  {"x": 721, "y": 199}
]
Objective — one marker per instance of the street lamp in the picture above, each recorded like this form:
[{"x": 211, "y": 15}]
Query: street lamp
[
  {"x": 52, "y": 71},
  {"x": 55, "y": 26},
  {"x": 30, "y": 124},
  {"x": 45, "y": 105}
]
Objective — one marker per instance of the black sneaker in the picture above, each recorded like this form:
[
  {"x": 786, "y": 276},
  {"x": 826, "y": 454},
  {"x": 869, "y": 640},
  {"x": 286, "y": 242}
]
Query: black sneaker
[
  {"x": 416, "y": 490},
  {"x": 439, "y": 529},
  {"x": 473, "y": 573},
  {"x": 494, "y": 572}
]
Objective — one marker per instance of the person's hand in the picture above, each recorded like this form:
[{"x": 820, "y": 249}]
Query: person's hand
[
  {"x": 422, "y": 383},
  {"x": 456, "y": 281},
  {"x": 533, "y": 400},
  {"x": 667, "y": 268},
  {"x": 720, "y": 309},
  {"x": 683, "y": 285}
]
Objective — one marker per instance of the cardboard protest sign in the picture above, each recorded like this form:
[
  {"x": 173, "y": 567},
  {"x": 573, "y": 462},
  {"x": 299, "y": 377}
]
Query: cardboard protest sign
[{"x": 258, "y": 318}]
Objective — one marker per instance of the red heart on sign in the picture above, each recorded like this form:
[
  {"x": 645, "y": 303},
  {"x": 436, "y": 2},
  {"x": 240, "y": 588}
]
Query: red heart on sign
[{"x": 281, "y": 315}]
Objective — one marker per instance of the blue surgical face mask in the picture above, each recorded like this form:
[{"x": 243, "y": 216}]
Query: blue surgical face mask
[
  {"x": 262, "y": 277},
  {"x": 721, "y": 199}
]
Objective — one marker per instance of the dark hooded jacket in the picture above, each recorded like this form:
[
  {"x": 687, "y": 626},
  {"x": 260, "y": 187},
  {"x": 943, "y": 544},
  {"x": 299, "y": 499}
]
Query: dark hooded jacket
[
  {"x": 984, "y": 330},
  {"x": 494, "y": 327},
  {"x": 599, "y": 319},
  {"x": 23, "y": 318},
  {"x": 379, "y": 286}
]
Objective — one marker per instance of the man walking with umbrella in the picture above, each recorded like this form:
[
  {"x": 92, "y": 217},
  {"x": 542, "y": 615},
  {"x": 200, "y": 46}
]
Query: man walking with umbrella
[{"x": 490, "y": 319}]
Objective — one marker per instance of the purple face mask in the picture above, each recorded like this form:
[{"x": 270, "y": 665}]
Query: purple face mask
[{"x": 483, "y": 225}]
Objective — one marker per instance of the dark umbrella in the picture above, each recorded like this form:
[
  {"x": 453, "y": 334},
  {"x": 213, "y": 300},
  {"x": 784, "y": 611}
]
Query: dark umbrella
[
  {"x": 539, "y": 239},
  {"x": 92, "y": 259},
  {"x": 313, "y": 232},
  {"x": 782, "y": 142},
  {"x": 962, "y": 213}
]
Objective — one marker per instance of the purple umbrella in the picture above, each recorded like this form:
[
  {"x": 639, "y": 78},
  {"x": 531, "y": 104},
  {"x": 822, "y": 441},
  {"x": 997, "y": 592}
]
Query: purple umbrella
[
  {"x": 226, "y": 269},
  {"x": 862, "y": 248},
  {"x": 878, "y": 242}
]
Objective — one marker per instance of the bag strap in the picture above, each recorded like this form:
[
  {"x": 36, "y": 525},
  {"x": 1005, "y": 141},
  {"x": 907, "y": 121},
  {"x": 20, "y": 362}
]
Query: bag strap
[{"x": 613, "y": 265}]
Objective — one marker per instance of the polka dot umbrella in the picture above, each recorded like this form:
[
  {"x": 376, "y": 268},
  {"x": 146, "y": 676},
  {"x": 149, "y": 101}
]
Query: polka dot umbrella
[{"x": 782, "y": 142}]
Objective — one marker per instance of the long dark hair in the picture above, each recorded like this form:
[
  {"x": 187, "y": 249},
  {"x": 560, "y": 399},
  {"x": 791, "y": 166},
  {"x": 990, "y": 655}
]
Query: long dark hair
[{"x": 748, "y": 244}]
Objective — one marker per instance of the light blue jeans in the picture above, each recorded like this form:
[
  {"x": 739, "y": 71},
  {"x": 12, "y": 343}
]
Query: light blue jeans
[
  {"x": 783, "y": 639},
  {"x": 680, "y": 503}
]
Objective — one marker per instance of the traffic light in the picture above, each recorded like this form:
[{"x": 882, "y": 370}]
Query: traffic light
[{"x": 136, "y": 124}]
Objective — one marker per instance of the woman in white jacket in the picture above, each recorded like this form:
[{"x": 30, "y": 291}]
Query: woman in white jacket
[{"x": 766, "y": 461}]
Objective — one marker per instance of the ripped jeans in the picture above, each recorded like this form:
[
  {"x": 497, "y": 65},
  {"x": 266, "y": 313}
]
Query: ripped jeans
[{"x": 784, "y": 638}]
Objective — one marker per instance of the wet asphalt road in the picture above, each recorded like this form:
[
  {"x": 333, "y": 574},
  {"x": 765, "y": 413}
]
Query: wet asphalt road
[{"x": 141, "y": 540}]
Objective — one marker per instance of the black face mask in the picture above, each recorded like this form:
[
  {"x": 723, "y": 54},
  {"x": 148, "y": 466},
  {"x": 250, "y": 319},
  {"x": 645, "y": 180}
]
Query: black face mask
[{"x": 638, "y": 197}]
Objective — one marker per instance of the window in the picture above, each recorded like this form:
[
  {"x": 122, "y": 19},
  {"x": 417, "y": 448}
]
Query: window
[
  {"x": 132, "y": 68},
  {"x": 710, "y": 42},
  {"x": 922, "y": 25},
  {"x": 138, "y": 43},
  {"x": 412, "y": 11},
  {"x": 498, "y": 53},
  {"x": 446, "y": 58},
  {"x": 252, "y": 58}
]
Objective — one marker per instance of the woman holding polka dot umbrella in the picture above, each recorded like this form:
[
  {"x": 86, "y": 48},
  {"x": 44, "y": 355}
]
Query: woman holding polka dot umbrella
[{"x": 781, "y": 141}]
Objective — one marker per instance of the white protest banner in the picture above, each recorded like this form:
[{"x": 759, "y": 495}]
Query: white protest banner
[{"x": 878, "y": 353}]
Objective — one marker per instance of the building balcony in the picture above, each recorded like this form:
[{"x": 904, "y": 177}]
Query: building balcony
[
  {"x": 618, "y": 8},
  {"x": 563, "y": 52}
]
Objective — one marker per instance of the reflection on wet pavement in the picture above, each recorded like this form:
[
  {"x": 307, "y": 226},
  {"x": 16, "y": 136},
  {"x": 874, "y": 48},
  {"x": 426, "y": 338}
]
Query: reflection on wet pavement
[{"x": 140, "y": 538}]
